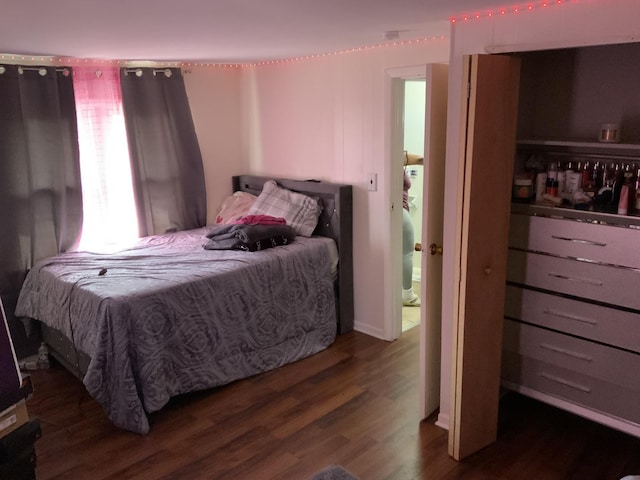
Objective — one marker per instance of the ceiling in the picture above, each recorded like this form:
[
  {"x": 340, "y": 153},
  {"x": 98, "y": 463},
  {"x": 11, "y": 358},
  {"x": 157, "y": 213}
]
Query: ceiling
[{"x": 218, "y": 31}]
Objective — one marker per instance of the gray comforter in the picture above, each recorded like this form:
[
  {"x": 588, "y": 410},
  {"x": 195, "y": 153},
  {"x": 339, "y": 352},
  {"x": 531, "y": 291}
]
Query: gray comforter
[{"x": 168, "y": 317}]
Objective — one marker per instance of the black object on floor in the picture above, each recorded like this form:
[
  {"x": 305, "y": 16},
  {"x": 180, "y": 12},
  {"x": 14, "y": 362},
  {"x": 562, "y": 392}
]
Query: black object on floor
[{"x": 334, "y": 472}]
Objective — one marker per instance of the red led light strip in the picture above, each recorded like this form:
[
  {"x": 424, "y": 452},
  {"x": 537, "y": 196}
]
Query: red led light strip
[
  {"x": 503, "y": 11},
  {"x": 67, "y": 61},
  {"x": 397, "y": 43}
]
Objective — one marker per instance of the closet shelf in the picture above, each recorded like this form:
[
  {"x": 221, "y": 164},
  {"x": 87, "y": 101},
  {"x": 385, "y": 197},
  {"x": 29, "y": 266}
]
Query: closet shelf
[{"x": 624, "y": 151}]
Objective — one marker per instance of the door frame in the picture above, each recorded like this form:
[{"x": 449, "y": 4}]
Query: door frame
[
  {"x": 430, "y": 331},
  {"x": 396, "y": 78}
]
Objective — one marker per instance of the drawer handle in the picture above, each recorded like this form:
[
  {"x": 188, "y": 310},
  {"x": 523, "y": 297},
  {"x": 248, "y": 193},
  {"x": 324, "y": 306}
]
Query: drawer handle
[
  {"x": 597, "y": 283},
  {"x": 569, "y": 353},
  {"x": 579, "y": 240},
  {"x": 567, "y": 383},
  {"x": 548, "y": 311}
]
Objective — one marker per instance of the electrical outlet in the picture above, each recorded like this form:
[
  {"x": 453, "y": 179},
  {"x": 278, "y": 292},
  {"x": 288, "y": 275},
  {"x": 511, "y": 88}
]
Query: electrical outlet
[{"x": 372, "y": 182}]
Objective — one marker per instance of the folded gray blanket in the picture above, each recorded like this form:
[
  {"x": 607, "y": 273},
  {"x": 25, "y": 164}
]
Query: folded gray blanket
[{"x": 249, "y": 237}]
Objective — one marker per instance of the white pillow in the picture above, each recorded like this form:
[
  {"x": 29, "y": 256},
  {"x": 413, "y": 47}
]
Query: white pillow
[
  {"x": 299, "y": 210},
  {"x": 235, "y": 207}
]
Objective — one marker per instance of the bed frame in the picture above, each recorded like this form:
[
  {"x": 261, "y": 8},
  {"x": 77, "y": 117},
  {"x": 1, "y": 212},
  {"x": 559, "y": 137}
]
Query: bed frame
[{"x": 335, "y": 222}]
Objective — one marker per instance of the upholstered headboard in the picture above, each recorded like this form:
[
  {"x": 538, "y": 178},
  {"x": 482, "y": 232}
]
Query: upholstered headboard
[{"x": 336, "y": 221}]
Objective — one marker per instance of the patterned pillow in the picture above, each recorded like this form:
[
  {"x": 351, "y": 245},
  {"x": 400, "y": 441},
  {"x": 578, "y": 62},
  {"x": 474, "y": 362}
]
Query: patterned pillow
[
  {"x": 234, "y": 207},
  {"x": 300, "y": 211}
]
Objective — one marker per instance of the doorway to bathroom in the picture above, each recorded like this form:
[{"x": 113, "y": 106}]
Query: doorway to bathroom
[
  {"x": 413, "y": 166},
  {"x": 431, "y": 108}
]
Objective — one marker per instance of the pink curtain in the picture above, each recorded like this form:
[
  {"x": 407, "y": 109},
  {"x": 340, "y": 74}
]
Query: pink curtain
[{"x": 110, "y": 220}]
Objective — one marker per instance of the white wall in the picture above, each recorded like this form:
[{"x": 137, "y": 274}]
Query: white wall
[
  {"x": 569, "y": 24},
  {"x": 215, "y": 98},
  {"x": 414, "y": 104},
  {"x": 329, "y": 118}
]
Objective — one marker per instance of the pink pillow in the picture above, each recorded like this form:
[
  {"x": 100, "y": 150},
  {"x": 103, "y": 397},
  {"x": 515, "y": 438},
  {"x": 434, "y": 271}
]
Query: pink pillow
[{"x": 235, "y": 207}]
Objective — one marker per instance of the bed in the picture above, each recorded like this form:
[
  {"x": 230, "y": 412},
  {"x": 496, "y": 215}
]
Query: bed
[{"x": 167, "y": 316}]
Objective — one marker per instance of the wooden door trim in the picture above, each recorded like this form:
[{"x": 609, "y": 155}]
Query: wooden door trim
[{"x": 456, "y": 350}]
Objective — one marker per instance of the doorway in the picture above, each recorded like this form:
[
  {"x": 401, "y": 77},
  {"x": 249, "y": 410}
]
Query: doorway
[
  {"x": 433, "y": 137},
  {"x": 413, "y": 166}
]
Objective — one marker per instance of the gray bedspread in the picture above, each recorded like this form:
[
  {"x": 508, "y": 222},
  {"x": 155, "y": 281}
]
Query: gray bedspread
[{"x": 169, "y": 317}]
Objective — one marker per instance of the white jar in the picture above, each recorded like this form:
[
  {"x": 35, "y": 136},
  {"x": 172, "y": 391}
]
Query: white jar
[
  {"x": 541, "y": 186},
  {"x": 573, "y": 182}
]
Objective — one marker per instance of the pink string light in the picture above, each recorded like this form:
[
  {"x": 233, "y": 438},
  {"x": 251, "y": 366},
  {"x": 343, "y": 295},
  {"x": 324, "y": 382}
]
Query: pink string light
[
  {"x": 402, "y": 43},
  {"x": 503, "y": 11}
]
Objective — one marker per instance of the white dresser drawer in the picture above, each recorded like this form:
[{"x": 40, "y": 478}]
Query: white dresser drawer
[
  {"x": 588, "y": 358},
  {"x": 607, "y": 325},
  {"x": 599, "y": 395},
  {"x": 611, "y": 285},
  {"x": 569, "y": 238}
]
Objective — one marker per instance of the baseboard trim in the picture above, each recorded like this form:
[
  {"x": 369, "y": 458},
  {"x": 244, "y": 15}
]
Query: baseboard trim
[
  {"x": 443, "y": 421},
  {"x": 367, "y": 330}
]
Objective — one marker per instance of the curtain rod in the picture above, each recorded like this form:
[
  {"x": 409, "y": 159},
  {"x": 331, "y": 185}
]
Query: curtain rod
[
  {"x": 41, "y": 70},
  {"x": 138, "y": 71},
  {"x": 65, "y": 71}
]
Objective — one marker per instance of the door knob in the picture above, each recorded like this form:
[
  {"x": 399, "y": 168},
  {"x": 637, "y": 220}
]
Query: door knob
[{"x": 435, "y": 249}]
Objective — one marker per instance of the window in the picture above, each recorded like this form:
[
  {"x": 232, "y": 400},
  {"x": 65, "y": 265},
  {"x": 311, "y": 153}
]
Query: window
[{"x": 110, "y": 221}]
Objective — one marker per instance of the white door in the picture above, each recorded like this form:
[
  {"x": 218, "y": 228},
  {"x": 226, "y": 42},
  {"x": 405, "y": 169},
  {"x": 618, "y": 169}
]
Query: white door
[{"x": 432, "y": 233}]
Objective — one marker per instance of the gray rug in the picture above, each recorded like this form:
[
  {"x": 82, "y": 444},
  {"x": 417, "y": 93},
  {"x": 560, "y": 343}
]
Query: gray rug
[{"x": 334, "y": 472}]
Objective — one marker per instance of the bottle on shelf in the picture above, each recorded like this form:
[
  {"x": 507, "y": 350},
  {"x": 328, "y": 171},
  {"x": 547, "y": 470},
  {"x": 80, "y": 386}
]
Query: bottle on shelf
[
  {"x": 552, "y": 179},
  {"x": 604, "y": 197},
  {"x": 588, "y": 185},
  {"x": 608, "y": 172},
  {"x": 569, "y": 167},
  {"x": 522, "y": 187},
  {"x": 618, "y": 177},
  {"x": 562, "y": 180},
  {"x": 540, "y": 186},
  {"x": 596, "y": 177},
  {"x": 623, "y": 201},
  {"x": 573, "y": 179},
  {"x": 628, "y": 173},
  {"x": 637, "y": 193}
]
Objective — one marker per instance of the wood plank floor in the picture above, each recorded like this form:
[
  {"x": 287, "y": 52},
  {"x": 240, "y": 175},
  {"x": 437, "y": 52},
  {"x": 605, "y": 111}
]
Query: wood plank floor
[{"x": 355, "y": 404}]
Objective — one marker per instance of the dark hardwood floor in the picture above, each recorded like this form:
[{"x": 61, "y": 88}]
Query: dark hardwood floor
[{"x": 355, "y": 404}]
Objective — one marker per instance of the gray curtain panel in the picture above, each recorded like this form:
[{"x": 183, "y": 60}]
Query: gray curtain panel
[
  {"x": 40, "y": 193},
  {"x": 166, "y": 164}
]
